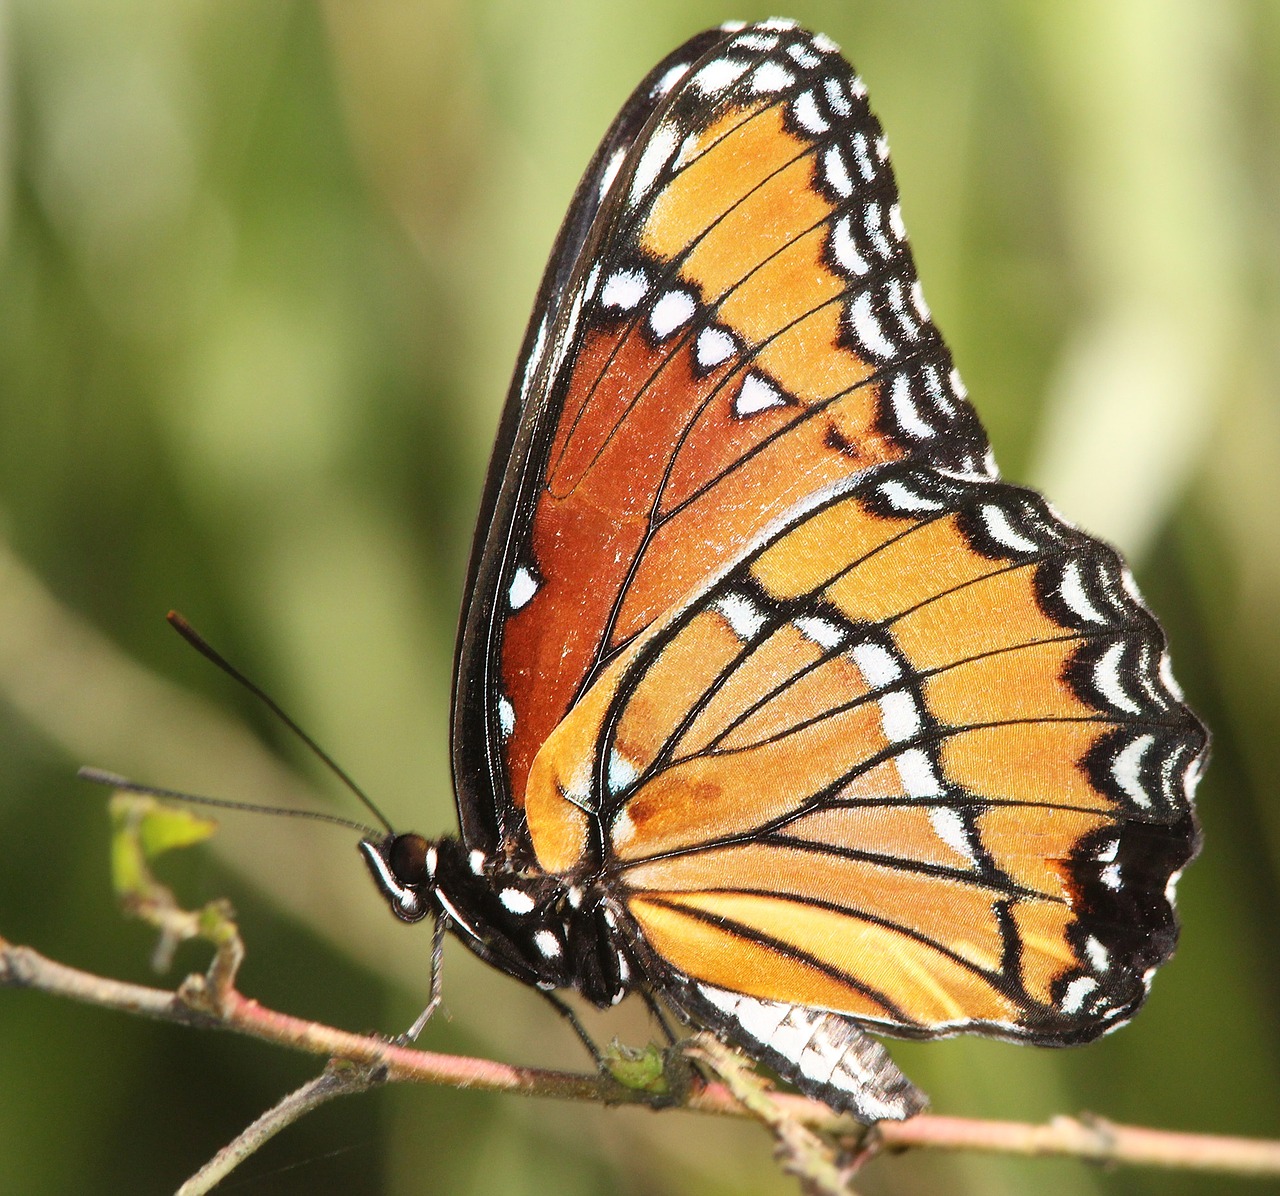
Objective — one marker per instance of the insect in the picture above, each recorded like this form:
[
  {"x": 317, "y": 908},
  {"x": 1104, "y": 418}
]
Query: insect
[{"x": 772, "y": 702}]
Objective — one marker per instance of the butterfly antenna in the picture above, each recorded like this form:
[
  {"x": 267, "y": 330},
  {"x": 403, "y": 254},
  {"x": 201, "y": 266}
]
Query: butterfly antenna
[
  {"x": 201, "y": 645},
  {"x": 113, "y": 780}
]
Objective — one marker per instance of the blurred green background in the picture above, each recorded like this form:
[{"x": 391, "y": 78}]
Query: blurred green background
[{"x": 264, "y": 267}]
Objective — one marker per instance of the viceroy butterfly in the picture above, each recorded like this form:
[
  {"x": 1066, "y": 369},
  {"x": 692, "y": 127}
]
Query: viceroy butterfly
[{"x": 772, "y": 702}]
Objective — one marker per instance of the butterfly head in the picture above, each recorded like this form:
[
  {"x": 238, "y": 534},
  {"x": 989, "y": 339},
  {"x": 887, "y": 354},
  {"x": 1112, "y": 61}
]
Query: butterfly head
[{"x": 404, "y": 869}]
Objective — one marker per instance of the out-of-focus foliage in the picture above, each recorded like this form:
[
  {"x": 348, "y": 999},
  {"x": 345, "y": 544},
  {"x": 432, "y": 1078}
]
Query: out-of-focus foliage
[{"x": 263, "y": 271}]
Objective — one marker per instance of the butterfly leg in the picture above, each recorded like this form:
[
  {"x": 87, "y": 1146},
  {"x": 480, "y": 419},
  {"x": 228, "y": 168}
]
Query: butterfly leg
[
  {"x": 659, "y": 1016},
  {"x": 437, "y": 958},
  {"x": 572, "y": 1018}
]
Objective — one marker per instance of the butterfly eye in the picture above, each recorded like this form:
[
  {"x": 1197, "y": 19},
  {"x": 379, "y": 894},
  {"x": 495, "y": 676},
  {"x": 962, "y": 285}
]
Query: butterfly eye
[{"x": 408, "y": 859}]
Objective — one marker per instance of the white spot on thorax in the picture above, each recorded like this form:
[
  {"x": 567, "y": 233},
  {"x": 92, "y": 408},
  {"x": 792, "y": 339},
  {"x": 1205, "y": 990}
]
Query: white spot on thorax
[
  {"x": 547, "y": 944},
  {"x": 475, "y": 861},
  {"x": 517, "y": 901}
]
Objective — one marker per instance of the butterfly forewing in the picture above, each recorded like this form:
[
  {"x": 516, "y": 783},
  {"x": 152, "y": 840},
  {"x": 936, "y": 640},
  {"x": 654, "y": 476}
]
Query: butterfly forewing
[{"x": 742, "y": 327}]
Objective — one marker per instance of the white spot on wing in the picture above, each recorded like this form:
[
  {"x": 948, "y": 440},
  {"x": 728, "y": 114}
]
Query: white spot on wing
[
  {"x": 1003, "y": 532},
  {"x": 624, "y": 289},
  {"x": 756, "y": 395},
  {"x": 475, "y": 861},
  {"x": 803, "y": 55},
  {"x": 917, "y": 774},
  {"x": 523, "y": 587},
  {"x": 621, "y": 772},
  {"x": 906, "y": 499},
  {"x": 714, "y": 347},
  {"x": 755, "y": 41},
  {"x": 1097, "y": 954},
  {"x": 1126, "y": 769},
  {"x": 718, "y": 74},
  {"x": 1077, "y": 991},
  {"x": 672, "y": 310},
  {"x": 506, "y": 717},
  {"x": 820, "y": 631},
  {"x": 836, "y": 98},
  {"x": 900, "y": 716},
  {"x": 743, "y": 615},
  {"x": 905, "y": 410},
  {"x": 655, "y": 156},
  {"x": 770, "y": 77},
  {"x": 836, "y": 172},
  {"x": 876, "y": 663},
  {"x": 1074, "y": 595},
  {"x": 1106, "y": 676},
  {"x": 610, "y": 171},
  {"x": 670, "y": 79},
  {"x": 805, "y": 110},
  {"x": 950, "y": 828},
  {"x": 867, "y": 328},
  {"x": 845, "y": 249}
]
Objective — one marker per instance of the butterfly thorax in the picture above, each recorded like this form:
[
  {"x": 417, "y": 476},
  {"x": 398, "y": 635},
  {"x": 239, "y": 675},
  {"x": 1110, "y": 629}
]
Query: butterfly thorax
[{"x": 546, "y": 930}]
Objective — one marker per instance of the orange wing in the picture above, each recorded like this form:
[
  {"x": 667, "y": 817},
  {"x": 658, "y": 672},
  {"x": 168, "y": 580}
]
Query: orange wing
[
  {"x": 916, "y": 759},
  {"x": 741, "y": 327}
]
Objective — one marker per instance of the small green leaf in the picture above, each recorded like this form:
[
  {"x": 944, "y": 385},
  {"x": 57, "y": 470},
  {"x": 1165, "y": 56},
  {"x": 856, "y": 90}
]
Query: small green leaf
[
  {"x": 642, "y": 1070},
  {"x": 144, "y": 829}
]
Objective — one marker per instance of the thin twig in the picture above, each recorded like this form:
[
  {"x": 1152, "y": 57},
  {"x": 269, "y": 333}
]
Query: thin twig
[
  {"x": 338, "y": 1079},
  {"x": 1083, "y": 1138}
]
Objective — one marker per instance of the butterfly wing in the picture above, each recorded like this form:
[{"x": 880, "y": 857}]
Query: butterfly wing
[
  {"x": 916, "y": 760},
  {"x": 730, "y": 323}
]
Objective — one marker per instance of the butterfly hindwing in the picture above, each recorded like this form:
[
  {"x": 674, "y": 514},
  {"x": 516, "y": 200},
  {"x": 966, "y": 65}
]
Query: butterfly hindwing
[
  {"x": 730, "y": 323},
  {"x": 915, "y": 759}
]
